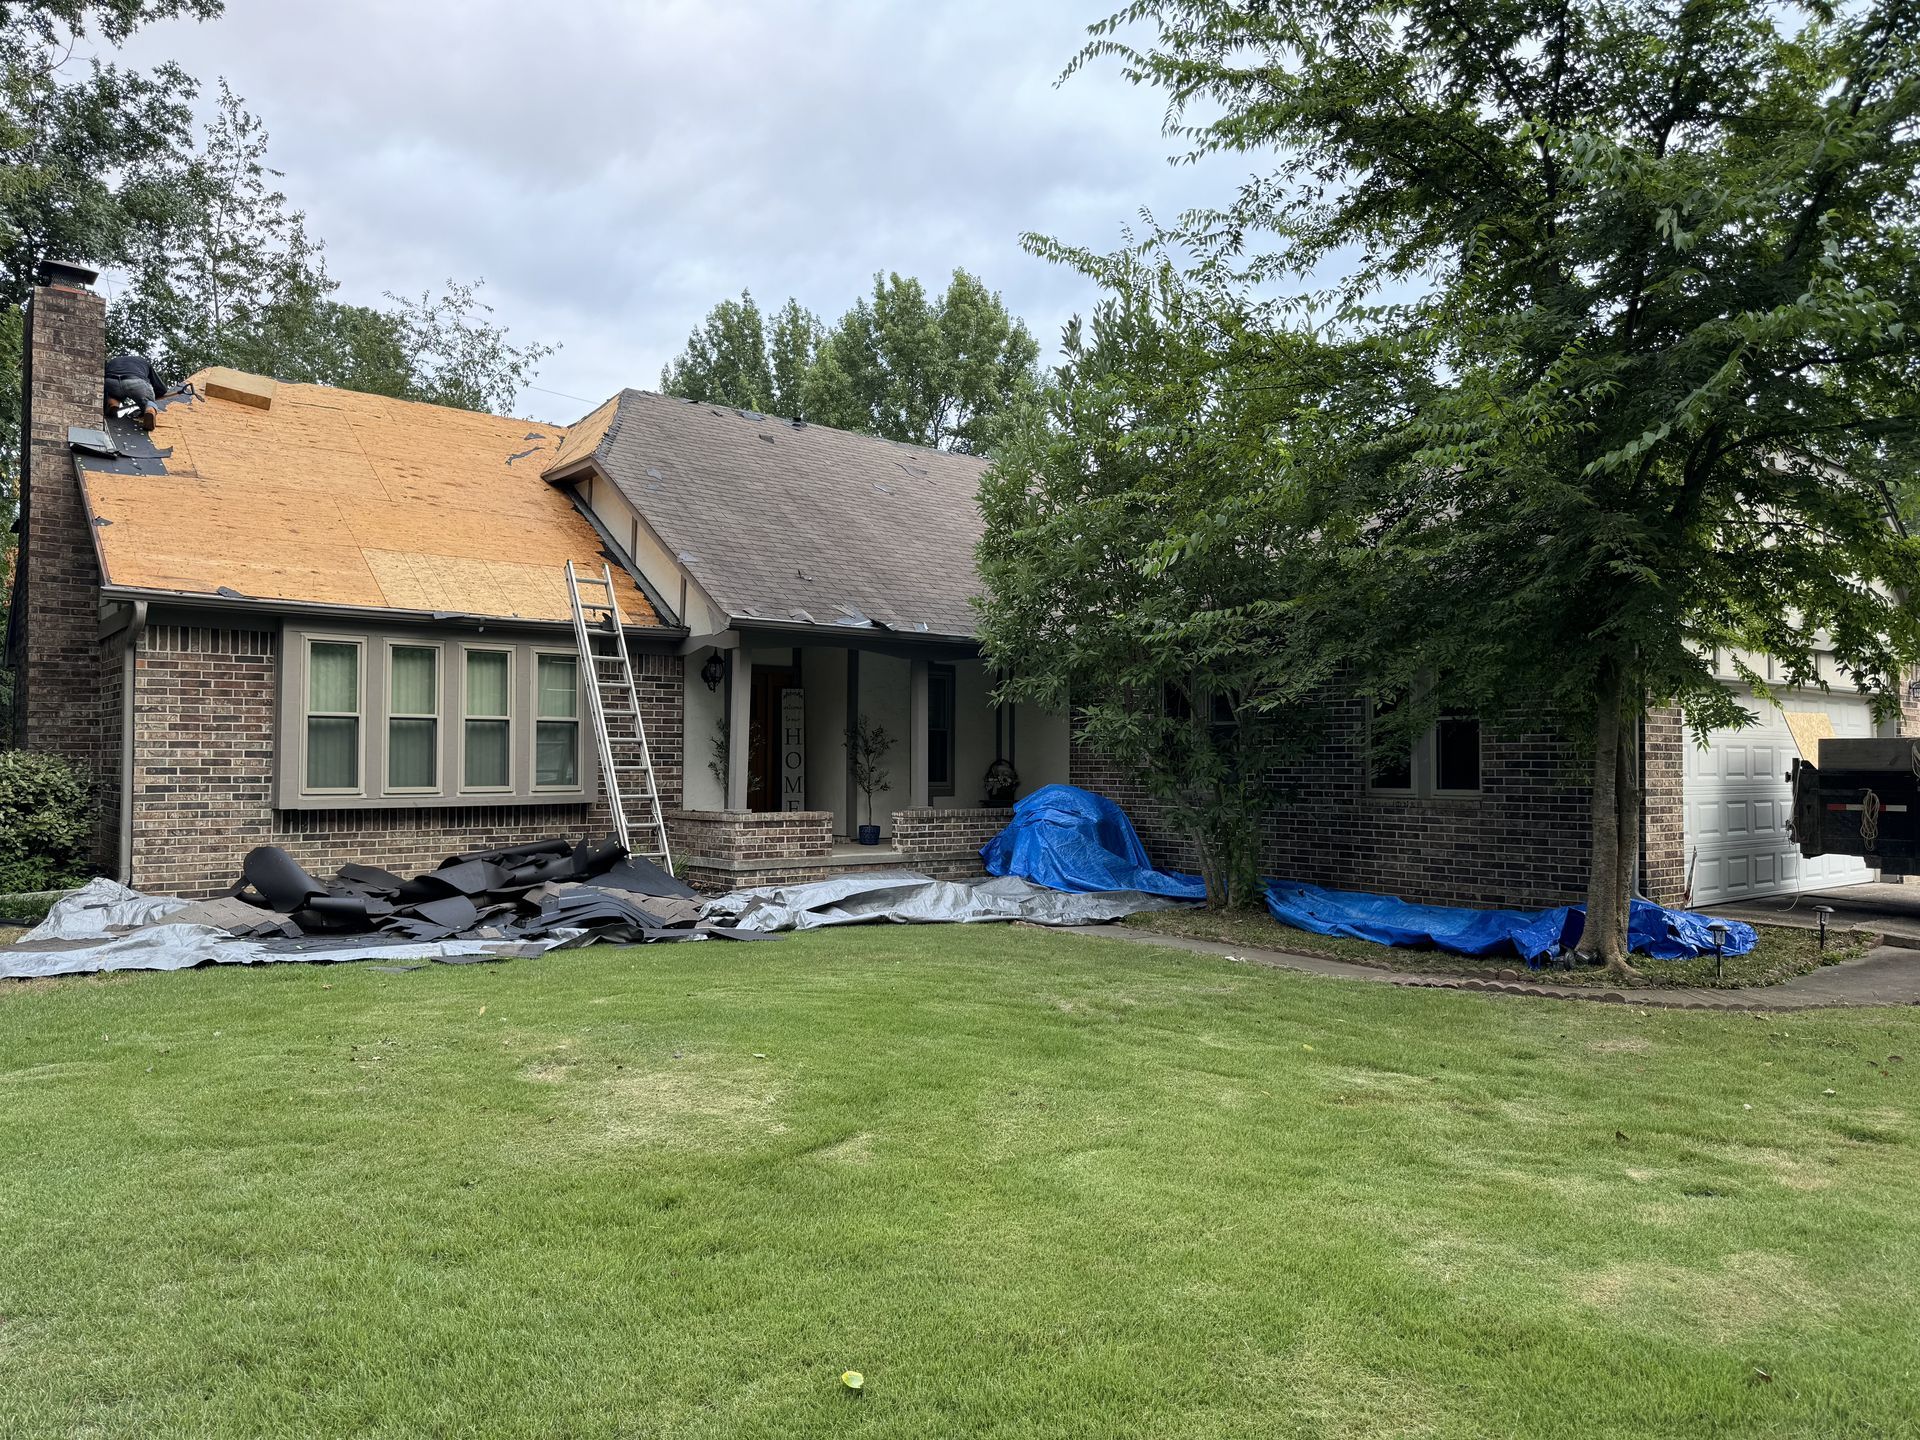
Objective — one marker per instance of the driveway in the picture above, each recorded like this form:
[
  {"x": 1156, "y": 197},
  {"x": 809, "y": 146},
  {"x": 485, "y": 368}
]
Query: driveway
[{"x": 1883, "y": 908}]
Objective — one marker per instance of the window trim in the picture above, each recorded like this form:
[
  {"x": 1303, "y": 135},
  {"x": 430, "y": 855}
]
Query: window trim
[
  {"x": 389, "y": 644},
  {"x": 534, "y": 723},
  {"x": 1423, "y": 763},
  {"x": 304, "y": 729},
  {"x": 949, "y": 673}
]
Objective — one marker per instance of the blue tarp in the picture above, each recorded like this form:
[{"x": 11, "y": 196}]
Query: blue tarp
[
  {"x": 1652, "y": 930},
  {"x": 1067, "y": 838}
]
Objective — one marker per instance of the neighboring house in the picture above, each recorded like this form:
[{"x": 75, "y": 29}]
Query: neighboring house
[{"x": 338, "y": 623}]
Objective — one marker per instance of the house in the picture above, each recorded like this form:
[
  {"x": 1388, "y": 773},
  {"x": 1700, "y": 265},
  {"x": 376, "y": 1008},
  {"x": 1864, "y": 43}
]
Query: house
[{"x": 338, "y": 623}]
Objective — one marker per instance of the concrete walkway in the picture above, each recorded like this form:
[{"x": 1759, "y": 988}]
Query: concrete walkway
[{"x": 1889, "y": 975}]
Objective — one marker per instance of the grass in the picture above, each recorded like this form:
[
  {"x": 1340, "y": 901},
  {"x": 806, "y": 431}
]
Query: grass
[
  {"x": 1031, "y": 1184},
  {"x": 1783, "y": 952}
]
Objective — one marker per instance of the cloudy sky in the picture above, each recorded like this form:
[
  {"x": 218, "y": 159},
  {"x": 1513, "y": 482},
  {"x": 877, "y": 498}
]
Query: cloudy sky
[{"x": 612, "y": 170}]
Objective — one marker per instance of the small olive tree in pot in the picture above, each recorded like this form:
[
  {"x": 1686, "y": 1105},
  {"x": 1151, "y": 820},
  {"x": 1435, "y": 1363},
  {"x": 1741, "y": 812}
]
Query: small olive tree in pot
[{"x": 867, "y": 746}]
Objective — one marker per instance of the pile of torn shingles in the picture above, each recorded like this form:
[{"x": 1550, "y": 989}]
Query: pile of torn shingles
[
  {"x": 525, "y": 892},
  {"x": 494, "y": 905}
]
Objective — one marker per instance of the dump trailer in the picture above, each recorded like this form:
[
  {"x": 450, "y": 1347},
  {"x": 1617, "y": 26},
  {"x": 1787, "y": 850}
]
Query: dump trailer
[{"x": 1862, "y": 798}]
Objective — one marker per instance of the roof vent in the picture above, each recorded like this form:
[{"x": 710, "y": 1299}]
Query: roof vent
[{"x": 66, "y": 272}]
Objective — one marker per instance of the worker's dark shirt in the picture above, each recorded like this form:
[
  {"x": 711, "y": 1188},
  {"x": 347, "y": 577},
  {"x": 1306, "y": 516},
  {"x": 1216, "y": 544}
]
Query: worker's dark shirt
[{"x": 136, "y": 367}]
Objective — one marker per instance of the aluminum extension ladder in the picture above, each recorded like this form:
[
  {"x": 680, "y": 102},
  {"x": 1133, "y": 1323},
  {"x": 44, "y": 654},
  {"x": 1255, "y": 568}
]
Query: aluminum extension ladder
[{"x": 626, "y": 764}]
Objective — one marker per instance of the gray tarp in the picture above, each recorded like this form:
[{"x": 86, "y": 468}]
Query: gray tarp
[
  {"x": 105, "y": 926},
  {"x": 908, "y": 897}
]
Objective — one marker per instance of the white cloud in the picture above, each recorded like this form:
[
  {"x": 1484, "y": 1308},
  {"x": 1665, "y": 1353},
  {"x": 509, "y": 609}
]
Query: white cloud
[{"x": 613, "y": 170}]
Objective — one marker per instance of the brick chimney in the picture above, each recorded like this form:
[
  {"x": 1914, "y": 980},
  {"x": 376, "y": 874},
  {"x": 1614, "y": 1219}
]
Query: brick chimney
[{"x": 58, "y": 657}]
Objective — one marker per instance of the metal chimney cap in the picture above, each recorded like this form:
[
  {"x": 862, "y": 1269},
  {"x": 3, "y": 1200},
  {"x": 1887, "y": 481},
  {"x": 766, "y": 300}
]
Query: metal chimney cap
[{"x": 66, "y": 272}]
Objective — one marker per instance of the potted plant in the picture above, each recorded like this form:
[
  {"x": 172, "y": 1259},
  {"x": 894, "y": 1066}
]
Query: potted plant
[{"x": 867, "y": 746}]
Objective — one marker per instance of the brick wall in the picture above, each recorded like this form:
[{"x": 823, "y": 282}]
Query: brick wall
[
  {"x": 58, "y": 694},
  {"x": 110, "y": 779},
  {"x": 1663, "y": 854},
  {"x": 727, "y": 849},
  {"x": 943, "y": 834},
  {"x": 1522, "y": 842},
  {"x": 204, "y": 765}
]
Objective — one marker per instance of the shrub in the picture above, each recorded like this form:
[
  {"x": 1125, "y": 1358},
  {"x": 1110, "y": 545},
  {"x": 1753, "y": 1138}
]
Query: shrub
[{"x": 46, "y": 822}]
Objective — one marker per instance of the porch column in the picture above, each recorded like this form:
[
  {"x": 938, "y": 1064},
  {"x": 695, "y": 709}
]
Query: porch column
[
  {"x": 739, "y": 727},
  {"x": 917, "y": 714}
]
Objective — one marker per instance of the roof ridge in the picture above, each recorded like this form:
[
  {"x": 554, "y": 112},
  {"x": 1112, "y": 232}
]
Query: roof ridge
[
  {"x": 376, "y": 395},
  {"x": 799, "y": 423}
]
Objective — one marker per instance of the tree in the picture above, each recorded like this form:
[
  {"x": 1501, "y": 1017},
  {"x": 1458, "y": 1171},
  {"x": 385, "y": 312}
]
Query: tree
[
  {"x": 735, "y": 359},
  {"x": 1109, "y": 588},
  {"x": 231, "y": 276},
  {"x": 1647, "y": 274},
  {"x": 88, "y": 154},
  {"x": 940, "y": 372}
]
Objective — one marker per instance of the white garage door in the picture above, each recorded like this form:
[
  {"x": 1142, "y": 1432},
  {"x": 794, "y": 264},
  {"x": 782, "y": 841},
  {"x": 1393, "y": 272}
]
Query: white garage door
[{"x": 1738, "y": 806}]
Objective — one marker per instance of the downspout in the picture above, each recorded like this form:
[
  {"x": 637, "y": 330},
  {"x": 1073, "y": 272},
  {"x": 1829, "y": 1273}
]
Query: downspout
[{"x": 127, "y": 672}]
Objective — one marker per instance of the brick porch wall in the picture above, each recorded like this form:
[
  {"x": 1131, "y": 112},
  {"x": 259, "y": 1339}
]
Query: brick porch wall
[
  {"x": 204, "y": 703},
  {"x": 945, "y": 834},
  {"x": 1523, "y": 842},
  {"x": 735, "y": 849},
  {"x": 732, "y": 849}
]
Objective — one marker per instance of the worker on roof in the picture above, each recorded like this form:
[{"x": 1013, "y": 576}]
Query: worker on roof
[{"x": 133, "y": 380}]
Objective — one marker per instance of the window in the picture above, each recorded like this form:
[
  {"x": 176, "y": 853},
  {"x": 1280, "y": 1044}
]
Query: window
[
  {"x": 940, "y": 729},
  {"x": 1443, "y": 760},
  {"x": 333, "y": 715},
  {"x": 417, "y": 717},
  {"x": 1456, "y": 754},
  {"x": 413, "y": 717},
  {"x": 487, "y": 744},
  {"x": 556, "y": 733},
  {"x": 1390, "y": 755}
]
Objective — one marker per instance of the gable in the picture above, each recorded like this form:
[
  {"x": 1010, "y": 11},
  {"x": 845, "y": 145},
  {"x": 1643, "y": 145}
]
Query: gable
[{"x": 791, "y": 524}]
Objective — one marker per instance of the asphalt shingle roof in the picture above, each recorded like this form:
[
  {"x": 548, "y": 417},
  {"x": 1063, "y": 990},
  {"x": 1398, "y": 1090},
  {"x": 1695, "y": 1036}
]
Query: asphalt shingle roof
[{"x": 788, "y": 522}]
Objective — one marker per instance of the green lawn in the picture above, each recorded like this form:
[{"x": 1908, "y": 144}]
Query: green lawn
[
  {"x": 1783, "y": 951},
  {"x": 1029, "y": 1183}
]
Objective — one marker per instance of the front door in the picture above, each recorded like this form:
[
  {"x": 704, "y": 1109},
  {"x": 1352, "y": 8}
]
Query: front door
[{"x": 763, "y": 775}]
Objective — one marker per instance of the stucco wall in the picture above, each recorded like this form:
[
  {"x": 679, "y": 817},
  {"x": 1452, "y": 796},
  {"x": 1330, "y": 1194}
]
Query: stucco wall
[
  {"x": 823, "y": 673},
  {"x": 703, "y": 711},
  {"x": 885, "y": 681}
]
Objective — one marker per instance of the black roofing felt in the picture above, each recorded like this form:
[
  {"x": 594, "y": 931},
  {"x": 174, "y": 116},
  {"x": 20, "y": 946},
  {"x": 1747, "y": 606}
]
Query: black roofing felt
[{"x": 800, "y": 523}]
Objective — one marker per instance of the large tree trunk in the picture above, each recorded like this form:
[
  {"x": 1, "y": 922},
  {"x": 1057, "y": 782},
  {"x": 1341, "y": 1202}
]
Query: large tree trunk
[{"x": 1605, "y": 933}]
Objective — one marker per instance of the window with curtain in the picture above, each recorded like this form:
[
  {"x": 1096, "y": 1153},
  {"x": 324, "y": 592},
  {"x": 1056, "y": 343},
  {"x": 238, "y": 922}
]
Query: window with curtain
[
  {"x": 488, "y": 739},
  {"x": 413, "y": 718},
  {"x": 333, "y": 715},
  {"x": 556, "y": 739}
]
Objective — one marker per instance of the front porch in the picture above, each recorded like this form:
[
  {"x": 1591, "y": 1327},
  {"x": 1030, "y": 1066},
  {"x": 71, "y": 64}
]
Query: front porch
[
  {"x": 770, "y": 795},
  {"x": 736, "y": 849}
]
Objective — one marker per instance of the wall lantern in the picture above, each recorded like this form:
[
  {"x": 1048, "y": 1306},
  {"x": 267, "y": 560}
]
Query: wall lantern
[{"x": 714, "y": 671}]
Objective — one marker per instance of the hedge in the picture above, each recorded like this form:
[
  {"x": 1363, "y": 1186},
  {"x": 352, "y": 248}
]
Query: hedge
[{"x": 46, "y": 822}]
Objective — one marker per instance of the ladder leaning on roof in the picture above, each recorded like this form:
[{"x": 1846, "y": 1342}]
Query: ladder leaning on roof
[{"x": 609, "y": 678}]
